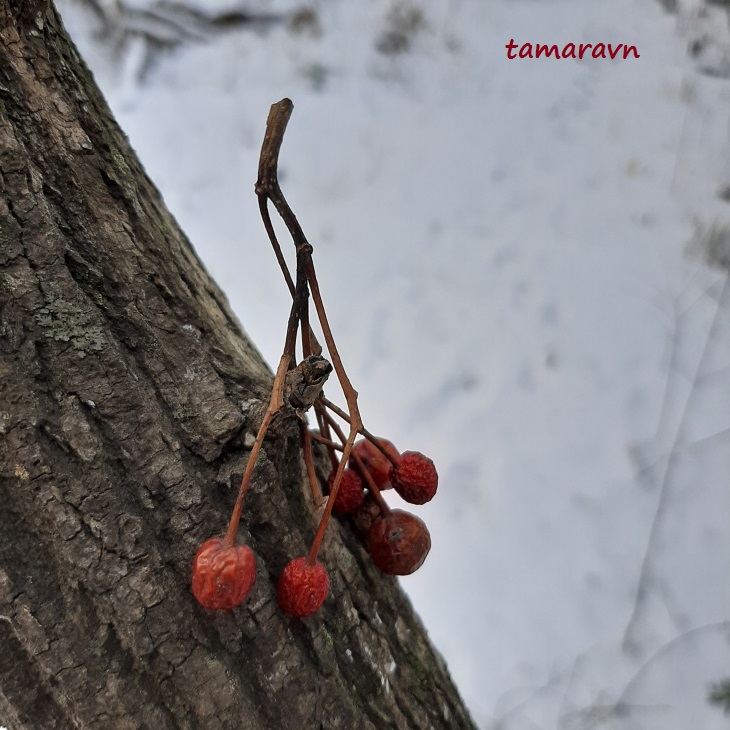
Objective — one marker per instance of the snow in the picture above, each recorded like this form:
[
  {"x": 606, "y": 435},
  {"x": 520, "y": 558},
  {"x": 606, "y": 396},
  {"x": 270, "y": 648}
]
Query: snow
[{"x": 513, "y": 257}]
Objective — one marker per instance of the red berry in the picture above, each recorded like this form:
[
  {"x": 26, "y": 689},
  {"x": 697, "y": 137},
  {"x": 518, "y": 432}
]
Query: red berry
[
  {"x": 302, "y": 588},
  {"x": 373, "y": 459},
  {"x": 350, "y": 493},
  {"x": 222, "y": 577},
  {"x": 415, "y": 478},
  {"x": 399, "y": 543}
]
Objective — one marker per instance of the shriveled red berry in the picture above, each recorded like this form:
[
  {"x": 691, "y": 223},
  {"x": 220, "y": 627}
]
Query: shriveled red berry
[
  {"x": 399, "y": 543},
  {"x": 377, "y": 464},
  {"x": 350, "y": 493},
  {"x": 415, "y": 478},
  {"x": 302, "y": 588},
  {"x": 222, "y": 577}
]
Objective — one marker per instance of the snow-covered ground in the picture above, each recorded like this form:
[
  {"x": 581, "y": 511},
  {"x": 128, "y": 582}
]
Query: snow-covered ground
[{"x": 514, "y": 256}]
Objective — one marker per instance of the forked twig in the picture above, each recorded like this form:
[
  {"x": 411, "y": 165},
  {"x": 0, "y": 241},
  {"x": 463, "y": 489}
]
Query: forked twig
[
  {"x": 365, "y": 473},
  {"x": 268, "y": 189},
  {"x": 374, "y": 440}
]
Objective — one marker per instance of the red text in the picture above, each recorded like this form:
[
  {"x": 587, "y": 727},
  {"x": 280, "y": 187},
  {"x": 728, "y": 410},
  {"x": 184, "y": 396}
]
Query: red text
[{"x": 570, "y": 50}]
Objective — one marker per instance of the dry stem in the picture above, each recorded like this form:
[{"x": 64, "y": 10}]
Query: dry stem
[
  {"x": 275, "y": 403},
  {"x": 317, "y": 495},
  {"x": 372, "y": 486},
  {"x": 267, "y": 188},
  {"x": 374, "y": 440}
]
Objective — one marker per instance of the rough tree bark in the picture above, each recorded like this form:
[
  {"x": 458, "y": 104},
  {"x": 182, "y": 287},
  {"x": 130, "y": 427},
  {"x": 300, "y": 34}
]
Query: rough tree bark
[{"x": 128, "y": 394}]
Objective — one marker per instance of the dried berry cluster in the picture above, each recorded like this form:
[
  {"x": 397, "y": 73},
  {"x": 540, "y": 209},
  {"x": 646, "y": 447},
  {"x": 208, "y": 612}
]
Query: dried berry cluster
[
  {"x": 223, "y": 572},
  {"x": 398, "y": 541}
]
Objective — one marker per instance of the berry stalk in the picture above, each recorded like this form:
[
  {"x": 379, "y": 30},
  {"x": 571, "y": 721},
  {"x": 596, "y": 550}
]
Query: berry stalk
[
  {"x": 316, "y": 490},
  {"x": 232, "y": 530},
  {"x": 372, "y": 486},
  {"x": 275, "y": 403},
  {"x": 319, "y": 535},
  {"x": 362, "y": 430}
]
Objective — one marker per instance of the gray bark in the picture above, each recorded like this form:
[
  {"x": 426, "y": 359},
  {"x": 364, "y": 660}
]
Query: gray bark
[{"x": 127, "y": 395}]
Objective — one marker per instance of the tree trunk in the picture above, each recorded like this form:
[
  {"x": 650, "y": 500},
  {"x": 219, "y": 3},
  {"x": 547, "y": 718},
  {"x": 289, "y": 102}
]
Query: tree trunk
[{"x": 128, "y": 396}]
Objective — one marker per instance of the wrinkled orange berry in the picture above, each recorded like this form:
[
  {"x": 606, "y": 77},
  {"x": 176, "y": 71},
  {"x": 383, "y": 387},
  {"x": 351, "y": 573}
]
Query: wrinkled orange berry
[
  {"x": 302, "y": 588},
  {"x": 222, "y": 577}
]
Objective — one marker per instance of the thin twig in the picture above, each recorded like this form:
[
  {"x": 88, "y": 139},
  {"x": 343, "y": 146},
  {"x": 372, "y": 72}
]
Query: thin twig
[
  {"x": 329, "y": 443},
  {"x": 362, "y": 469},
  {"x": 267, "y": 188},
  {"x": 275, "y": 403},
  {"x": 269, "y": 226},
  {"x": 324, "y": 429},
  {"x": 350, "y": 393},
  {"x": 372, "y": 486},
  {"x": 314, "y": 486},
  {"x": 374, "y": 440},
  {"x": 267, "y": 185}
]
